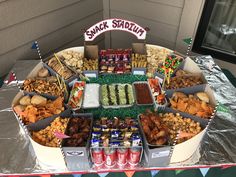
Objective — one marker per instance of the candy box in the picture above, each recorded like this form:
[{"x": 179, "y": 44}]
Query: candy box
[
  {"x": 115, "y": 61},
  {"x": 76, "y": 155},
  {"x": 116, "y": 144}
]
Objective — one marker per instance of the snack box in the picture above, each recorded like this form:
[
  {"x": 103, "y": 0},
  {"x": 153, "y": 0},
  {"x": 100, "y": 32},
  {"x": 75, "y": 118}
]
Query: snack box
[
  {"x": 139, "y": 48},
  {"x": 46, "y": 156},
  {"x": 155, "y": 156},
  {"x": 156, "y": 83},
  {"x": 77, "y": 158},
  {"x": 149, "y": 93},
  {"x": 116, "y": 106},
  {"x": 167, "y": 154},
  {"x": 76, "y": 95},
  {"x": 34, "y": 74},
  {"x": 21, "y": 94},
  {"x": 71, "y": 78},
  {"x": 90, "y": 52},
  {"x": 190, "y": 66},
  {"x": 190, "y": 146},
  {"x": 199, "y": 88},
  {"x": 92, "y": 92}
]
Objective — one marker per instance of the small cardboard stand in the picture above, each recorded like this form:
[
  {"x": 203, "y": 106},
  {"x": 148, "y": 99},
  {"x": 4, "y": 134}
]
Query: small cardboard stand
[
  {"x": 139, "y": 48},
  {"x": 91, "y": 52}
]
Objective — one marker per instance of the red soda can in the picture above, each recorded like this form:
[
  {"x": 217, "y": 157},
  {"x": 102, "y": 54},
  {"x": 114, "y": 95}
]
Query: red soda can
[
  {"x": 134, "y": 155},
  {"x": 97, "y": 156},
  {"x": 122, "y": 155},
  {"x": 110, "y": 157}
]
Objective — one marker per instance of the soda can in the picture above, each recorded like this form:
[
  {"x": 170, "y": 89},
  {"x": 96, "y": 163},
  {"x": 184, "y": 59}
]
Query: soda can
[
  {"x": 110, "y": 157},
  {"x": 134, "y": 155},
  {"x": 97, "y": 156},
  {"x": 122, "y": 155}
]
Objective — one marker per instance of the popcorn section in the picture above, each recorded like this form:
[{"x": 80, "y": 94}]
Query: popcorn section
[{"x": 89, "y": 109}]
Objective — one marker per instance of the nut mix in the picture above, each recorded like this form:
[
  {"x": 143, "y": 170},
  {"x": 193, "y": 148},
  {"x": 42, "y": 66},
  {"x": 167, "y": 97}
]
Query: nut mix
[
  {"x": 176, "y": 123},
  {"x": 183, "y": 81},
  {"x": 49, "y": 86},
  {"x": 46, "y": 136}
]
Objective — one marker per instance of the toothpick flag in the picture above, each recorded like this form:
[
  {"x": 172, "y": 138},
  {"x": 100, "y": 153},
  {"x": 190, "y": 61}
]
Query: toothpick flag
[
  {"x": 12, "y": 77},
  {"x": 188, "y": 40},
  {"x": 61, "y": 135}
]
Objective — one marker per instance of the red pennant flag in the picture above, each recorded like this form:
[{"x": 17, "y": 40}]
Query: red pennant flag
[
  {"x": 12, "y": 77},
  {"x": 226, "y": 166},
  {"x": 45, "y": 175},
  {"x": 129, "y": 173}
]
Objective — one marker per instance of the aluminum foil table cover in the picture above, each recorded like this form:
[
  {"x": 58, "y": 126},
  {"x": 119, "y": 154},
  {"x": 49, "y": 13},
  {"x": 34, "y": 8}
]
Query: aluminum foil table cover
[{"x": 217, "y": 148}]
